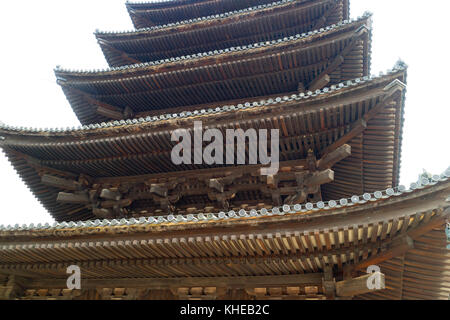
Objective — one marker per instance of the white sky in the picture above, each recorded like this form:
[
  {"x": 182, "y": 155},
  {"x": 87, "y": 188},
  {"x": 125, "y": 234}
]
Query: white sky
[{"x": 38, "y": 35}]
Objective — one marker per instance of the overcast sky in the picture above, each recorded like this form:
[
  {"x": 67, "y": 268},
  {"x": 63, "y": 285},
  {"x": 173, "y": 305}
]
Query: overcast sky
[{"x": 38, "y": 35}]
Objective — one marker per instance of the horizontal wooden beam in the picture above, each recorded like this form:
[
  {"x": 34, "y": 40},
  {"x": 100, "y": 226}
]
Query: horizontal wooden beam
[
  {"x": 81, "y": 198},
  {"x": 162, "y": 283},
  {"x": 209, "y": 173},
  {"x": 355, "y": 286}
]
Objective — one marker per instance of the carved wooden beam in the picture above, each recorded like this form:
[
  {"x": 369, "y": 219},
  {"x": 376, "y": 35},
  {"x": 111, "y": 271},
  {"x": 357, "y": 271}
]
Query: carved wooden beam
[
  {"x": 319, "y": 178},
  {"x": 333, "y": 157},
  {"x": 116, "y": 203},
  {"x": 78, "y": 198}
]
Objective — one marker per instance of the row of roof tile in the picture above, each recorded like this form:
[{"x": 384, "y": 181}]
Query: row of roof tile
[
  {"x": 211, "y": 17},
  {"x": 243, "y": 214},
  {"x": 60, "y": 69},
  {"x": 400, "y": 65}
]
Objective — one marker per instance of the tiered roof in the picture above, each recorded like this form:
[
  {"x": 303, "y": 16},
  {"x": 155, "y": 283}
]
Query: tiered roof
[
  {"x": 229, "y": 29},
  {"x": 140, "y": 226},
  {"x": 288, "y": 65},
  {"x": 293, "y": 248},
  {"x": 148, "y": 14},
  {"x": 357, "y": 113}
]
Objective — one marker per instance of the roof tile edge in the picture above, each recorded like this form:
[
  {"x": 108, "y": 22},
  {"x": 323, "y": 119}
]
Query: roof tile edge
[
  {"x": 399, "y": 66},
  {"x": 304, "y": 209}
]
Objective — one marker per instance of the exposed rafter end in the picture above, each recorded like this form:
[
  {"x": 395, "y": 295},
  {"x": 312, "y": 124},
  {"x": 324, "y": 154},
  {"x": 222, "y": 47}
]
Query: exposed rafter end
[{"x": 320, "y": 82}]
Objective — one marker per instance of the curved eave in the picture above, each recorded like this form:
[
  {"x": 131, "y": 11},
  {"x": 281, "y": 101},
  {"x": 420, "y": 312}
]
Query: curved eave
[
  {"x": 221, "y": 76},
  {"x": 402, "y": 232},
  {"x": 56, "y": 153},
  {"x": 211, "y": 110},
  {"x": 148, "y": 14},
  {"x": 124, "y": 48},
  {"x": 407, "y": 204},
  {"x": 230, "y": 53}
]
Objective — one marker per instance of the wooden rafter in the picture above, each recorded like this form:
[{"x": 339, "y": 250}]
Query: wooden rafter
[
  {"x": 103, "y": 108},
  {"x": 360, "y": 125},
  {"x": 37, "y": 165},
  {"x": 321, "y": 22},
  {"x": 122, "y": 54},
  {"x": 396, "y": 248},
  {"x": 324, "y": 77}
]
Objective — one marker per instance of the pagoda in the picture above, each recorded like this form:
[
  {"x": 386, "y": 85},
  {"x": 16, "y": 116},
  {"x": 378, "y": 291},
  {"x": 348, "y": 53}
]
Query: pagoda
[{"x": 140, "y": 226}]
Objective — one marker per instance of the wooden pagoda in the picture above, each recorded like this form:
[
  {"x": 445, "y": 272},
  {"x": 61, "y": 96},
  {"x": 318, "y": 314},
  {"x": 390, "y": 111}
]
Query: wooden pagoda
[{"x": 141, "y": 227}]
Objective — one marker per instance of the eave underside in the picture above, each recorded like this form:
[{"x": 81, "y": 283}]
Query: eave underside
[
  {"x": 319, "y": 127},
  {"x": 300, "y": 65},
  {"x": 422, "y": 273},
  {"x": 243, "y": 29},
  {"x": 146, "y": 15},
  {"x": 288, "y": 257}
]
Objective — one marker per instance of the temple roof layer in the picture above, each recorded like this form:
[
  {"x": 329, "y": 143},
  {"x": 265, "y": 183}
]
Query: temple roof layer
[
  {"x": 231, "y": 29},
  {"x": 361, "y": 120},
  {"x": 148, "y": 14},
  {"x": 293, "y": 247},
  {"x": 301, "y": 62}
]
